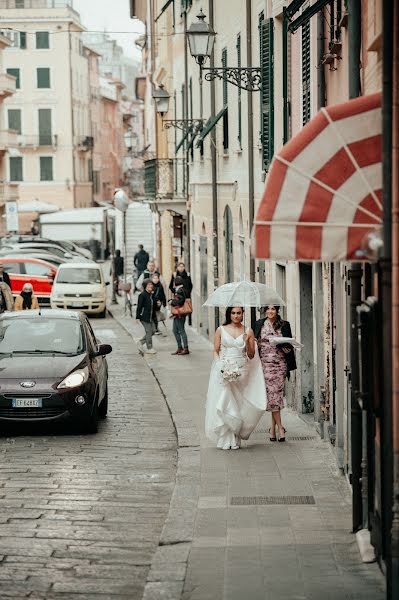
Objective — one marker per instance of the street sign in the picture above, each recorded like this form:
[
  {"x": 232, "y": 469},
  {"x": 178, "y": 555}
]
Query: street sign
[{"x": 12, "y": 221}]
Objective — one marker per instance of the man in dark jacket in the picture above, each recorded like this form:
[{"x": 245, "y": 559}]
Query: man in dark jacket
[
  {"x": 141, "y": 259},
  {"x": 4, "y": 277},
  {"x": 146, "y": 315}
]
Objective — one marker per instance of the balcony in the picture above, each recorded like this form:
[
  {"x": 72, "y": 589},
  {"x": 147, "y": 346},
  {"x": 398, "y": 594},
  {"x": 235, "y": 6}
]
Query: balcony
[
  {"x": 7, "y": 85},
  {"x": 8, "y": 192},
  {"x": 34, "y": 142},
  {"x": 165, "y": 179},
  {"x": 85, "y": 143},
  {"x": 8, "y": 139},
  {"x": 27, "y": 4}
]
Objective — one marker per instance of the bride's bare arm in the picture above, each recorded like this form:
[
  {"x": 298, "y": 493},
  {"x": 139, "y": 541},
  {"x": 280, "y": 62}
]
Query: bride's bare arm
[
  {"x": 216, "y": 344},
  {"x": 250, "y": 343}
]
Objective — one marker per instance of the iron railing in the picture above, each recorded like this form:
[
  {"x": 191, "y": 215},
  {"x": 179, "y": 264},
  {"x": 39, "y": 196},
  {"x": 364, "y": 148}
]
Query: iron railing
[
  {"x": 165, "y": 178},
  {"x": 38, "y": 141}
]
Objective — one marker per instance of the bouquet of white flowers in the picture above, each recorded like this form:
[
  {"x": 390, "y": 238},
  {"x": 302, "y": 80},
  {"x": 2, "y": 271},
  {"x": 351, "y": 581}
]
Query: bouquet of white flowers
[{"x": 230, "y": 371}]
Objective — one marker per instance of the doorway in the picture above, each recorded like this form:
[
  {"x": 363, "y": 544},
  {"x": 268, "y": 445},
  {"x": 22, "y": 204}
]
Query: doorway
[
  {"x": 204, "y": 324},
  {"x": 306, "y": 304}
]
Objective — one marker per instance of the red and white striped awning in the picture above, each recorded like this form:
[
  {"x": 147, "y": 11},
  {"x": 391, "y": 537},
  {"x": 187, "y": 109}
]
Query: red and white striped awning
[{"x": 323, "y": 193}]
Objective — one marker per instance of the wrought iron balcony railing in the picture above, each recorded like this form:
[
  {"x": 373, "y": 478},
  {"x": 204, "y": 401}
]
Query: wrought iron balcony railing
[{"x": 165, "y": 178}]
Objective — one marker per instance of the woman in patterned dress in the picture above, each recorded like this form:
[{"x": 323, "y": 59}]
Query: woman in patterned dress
[{"x": 277, "y": 362}]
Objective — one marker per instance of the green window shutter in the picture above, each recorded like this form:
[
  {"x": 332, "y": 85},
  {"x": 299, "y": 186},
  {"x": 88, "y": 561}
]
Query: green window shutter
[
  {"x": 16, "y": 172},
  {"x": 15, "y": 73},
  {"x": 239, "y": 109},
  {"x": 191, "y": 143},
  {"x": 306, "y": 72},
  {"x": 14, "y": 120},
  {"x": 43, "y": 78},
  {"x": 46, "y": 168},
  {"x": 45, "y": 130},
  {"x": 267, "y": 92},
  {"x": 42, "y": 40},
  {"x": 225, "y": 103},
  {"x": 22, "y": 40}
]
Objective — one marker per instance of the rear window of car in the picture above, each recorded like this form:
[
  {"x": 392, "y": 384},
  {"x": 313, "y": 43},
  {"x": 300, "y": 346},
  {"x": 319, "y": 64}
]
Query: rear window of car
[
  {"x": 41, "y": 335},
  {"x": 79, "y": 275},
  {"x": 11, "y": 267}
]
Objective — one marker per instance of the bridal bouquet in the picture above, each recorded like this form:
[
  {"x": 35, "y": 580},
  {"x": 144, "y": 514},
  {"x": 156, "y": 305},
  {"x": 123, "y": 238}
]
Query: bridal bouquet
[{"x": 230, "y": 371}]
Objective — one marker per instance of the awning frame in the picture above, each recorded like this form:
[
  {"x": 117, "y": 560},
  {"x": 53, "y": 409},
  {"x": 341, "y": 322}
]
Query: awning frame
[
  {"x": 306, "y": 15},
  {"x": 163, "y": 9},
  {"x": 212, "y": 121},
  {"x": 183, "y": 139}
]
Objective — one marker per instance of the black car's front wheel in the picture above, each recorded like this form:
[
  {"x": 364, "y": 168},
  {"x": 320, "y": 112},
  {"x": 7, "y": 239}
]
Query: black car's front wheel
[
  {"x": 103, "y": 408},
  {"x": 90, "y": 424}
]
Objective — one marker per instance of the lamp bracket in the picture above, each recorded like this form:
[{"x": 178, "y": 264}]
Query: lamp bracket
[
  {"x": 246, "y": 78},
  {"x": 183, "y": 124}
]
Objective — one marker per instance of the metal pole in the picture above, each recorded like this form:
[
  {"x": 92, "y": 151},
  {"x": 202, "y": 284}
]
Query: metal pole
[
  {"x": 355, "y": 275},
  {"x": 250, "y": 125},
  {"x": 124, "y": 246},
  {"x": 215, "y": 211},
  {"x": 285, "y": 79},
  {"x": 187, "y": 166}
]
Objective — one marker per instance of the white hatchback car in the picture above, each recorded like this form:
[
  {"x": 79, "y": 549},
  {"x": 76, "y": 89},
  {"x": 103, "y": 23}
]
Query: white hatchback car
[{"x": 80, "y": 286}]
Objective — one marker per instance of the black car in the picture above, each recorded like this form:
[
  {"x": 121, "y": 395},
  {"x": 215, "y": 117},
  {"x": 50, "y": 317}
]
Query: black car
[{"x": 52, "y": 368}]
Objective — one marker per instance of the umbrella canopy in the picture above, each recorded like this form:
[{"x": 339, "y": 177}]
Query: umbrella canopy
[
  {"x": 36, "y": 206},
  {"x": 244, "y": 293},
  {"x": 322, "y": 199}
]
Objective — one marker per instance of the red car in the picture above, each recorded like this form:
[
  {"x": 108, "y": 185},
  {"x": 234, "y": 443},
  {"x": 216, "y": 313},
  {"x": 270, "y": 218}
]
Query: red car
[{"x": 25, "y": 269}]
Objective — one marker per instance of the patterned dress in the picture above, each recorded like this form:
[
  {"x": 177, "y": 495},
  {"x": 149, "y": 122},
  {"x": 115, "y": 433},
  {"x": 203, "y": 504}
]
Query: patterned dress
[{"x": 274, "y": 368}]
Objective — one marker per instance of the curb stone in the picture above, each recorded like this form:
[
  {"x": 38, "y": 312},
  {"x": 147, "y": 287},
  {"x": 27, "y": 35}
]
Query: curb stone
[{"x": 167, "y": 574}]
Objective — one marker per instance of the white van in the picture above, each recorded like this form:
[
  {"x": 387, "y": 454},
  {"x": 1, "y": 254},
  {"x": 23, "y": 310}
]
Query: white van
[{"x": 80, "y": 286}]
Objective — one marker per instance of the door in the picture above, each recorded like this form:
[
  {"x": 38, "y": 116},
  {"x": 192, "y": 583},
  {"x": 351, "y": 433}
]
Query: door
[
  {"x": 204, "y": 324},
  {"x": 45, "y": 127},
  {"x": 13, "y": 268},
  {"x": 40, "y": 276},
  {"x": 306, "y": 358}
]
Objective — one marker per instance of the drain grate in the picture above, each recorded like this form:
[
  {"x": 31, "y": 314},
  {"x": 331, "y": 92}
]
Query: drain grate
[
  {"x": 269, "y": 500},
  {"x": 291, "y": 438}
]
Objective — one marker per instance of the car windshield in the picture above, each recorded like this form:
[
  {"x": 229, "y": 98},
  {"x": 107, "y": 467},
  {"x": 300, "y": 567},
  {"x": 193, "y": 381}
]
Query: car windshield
[
  {"x": 84, "y": 275},
  {"x": 41, "y": 335}
]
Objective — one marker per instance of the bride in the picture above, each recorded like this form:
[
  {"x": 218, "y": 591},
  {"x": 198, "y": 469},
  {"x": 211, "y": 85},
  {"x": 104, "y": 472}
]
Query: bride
[{"x": 236, "y": 394}]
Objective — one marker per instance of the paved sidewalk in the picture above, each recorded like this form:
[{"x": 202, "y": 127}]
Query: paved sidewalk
[{"x": 238, "y": 525}]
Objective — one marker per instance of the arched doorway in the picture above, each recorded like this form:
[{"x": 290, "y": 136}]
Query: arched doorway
[{"x": 228, "y": 237}]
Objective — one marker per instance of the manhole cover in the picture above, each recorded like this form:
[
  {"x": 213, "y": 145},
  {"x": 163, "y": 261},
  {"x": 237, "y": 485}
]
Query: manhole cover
[{"x": 262, "y": 500}]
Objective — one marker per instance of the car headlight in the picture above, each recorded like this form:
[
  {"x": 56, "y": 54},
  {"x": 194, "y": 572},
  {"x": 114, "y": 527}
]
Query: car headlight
[
  {"x": 74, "y": 379},
  {"x": 98, "y": 294}
]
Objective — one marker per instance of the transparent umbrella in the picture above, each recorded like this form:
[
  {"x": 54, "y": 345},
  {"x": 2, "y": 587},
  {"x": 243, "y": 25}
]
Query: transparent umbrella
[
  {"x": 244, "y": 293},
  {"x": 38, "y": 207}
]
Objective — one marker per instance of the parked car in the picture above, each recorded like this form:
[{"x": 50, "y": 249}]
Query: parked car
[
  {"x": 29, "y": 239},
  {"x": 80, "y": 286},
  {"x": 27, "y": 269},
  {"x": 46, "y": 256},
  {"x": 48, "y": 247},
  {"x": 53, "y": 369}
]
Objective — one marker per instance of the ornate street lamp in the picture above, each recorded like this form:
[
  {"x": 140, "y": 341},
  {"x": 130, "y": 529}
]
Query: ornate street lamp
[
  {"x": 201, "y": 38},
  {"x": 161, "y": 98}
]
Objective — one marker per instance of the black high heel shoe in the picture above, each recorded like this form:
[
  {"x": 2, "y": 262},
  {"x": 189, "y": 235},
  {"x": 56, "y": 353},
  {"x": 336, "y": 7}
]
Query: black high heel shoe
[
  {"x": 282, "y": 439},
  {"x": 272, "y": 439}
]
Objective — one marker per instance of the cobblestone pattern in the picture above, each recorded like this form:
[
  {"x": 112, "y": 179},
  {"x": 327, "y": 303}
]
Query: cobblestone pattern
[{"x": 81, "y": 516}]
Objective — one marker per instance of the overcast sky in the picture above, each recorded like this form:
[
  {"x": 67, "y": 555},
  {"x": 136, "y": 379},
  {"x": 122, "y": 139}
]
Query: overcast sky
[{"x": 111, "y": 16}]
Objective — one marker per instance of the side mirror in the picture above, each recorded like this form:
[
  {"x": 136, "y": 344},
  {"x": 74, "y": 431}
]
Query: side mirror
[
  {"x": 107, "y": 282},
  {"x": 103, "y": 349},
  {"x": 50, "y": 281}
]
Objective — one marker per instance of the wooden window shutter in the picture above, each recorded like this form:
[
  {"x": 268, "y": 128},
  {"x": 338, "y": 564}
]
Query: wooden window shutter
[
  {"x": 267, "y": 92},
  {"x": 306, "y": 72},
  {"x": 225, "y": 103}
]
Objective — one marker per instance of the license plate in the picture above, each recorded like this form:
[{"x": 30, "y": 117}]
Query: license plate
[
  {"x": 77, "y": 304},
  {"x": 27, "y": 403}
]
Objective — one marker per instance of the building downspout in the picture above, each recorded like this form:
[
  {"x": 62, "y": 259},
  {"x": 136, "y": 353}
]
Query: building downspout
[
  {"x": 355, "y": 275},
  {"x": 72, "y": 118},
  {"x": 187, "y": 166},
  {"x": 215, "y": 209},
  {"x": 250, "y": 125},
  {"x": 395, "y": 301}
]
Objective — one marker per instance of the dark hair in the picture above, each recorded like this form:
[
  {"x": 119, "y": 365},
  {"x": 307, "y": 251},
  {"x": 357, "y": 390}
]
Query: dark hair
[
  {"x": 279, "y": 321},
  {"x": 179, "y": 281},
  {"x": 141, "y": 246},
  {"x": 228, "y": 314},
  {"x": 146, "y": 282},
  {"x": 117, "y": 252}
]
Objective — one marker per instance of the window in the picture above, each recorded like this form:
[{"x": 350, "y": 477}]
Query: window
[
  {"x": 37, "y": 269},
  {"x": 45, "y": 129},
  {"x": 42, "y": 40},
  {"x": 19, "y": 3},
  {"x": 90, "y": 169},
  {"x": 225, "y": 100},
  {"x": 22, "y": 40},
  {"x": 14, "y": 120},
  {"x": 46, "y": 168},
  {"x": 239, "y": 111},
  {"x": 43, "y": 77},
  {"x": 15, "y": 73},
  {"x": 267, "y": 92},
  {"x": 305, "y": 72},
  {"x": 10, "y": 267},
  {"x": 16, "y": 172}
]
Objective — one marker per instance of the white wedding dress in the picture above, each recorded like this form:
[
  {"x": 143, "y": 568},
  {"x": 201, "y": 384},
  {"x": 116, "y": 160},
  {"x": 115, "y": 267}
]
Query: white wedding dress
[{"x": 234, "y": 408}]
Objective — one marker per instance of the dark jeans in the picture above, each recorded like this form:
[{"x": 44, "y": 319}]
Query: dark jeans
[
  {"x": 149, "y": 329},
  {"x": 180, "y": 332}
]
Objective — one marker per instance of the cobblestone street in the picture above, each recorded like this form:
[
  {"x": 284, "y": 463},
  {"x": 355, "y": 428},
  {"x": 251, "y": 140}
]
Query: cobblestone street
[{"x": 80, "y": 515}]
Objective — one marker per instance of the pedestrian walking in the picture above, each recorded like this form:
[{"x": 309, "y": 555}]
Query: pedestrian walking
[
  {"x": 180, "y": 309},
  {"x": 4, "y": 276},
  {"x": 159, "y": 300},
  {"x": 141, "y": 259},
  {"x": 6, "y": 299},
  {"x": 146, "y": 315},
  {"x": 236, "y": 397},
  {"x": 26, "y": 300},
  {"x": 119, "y": 269},
  {"x": 187, "y": 283},
  {"x": 149, "y": 271},
  {"x": 277, "y": 362}
]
